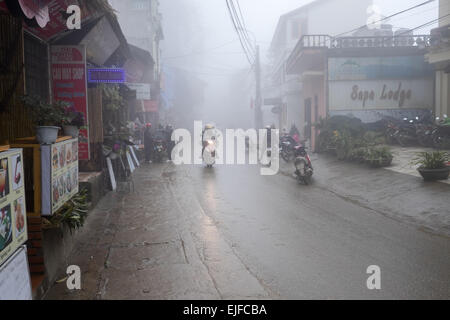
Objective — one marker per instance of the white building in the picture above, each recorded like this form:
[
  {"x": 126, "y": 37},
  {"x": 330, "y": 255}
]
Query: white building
[
  {"x": 439, "y": 56},
  {"x": 327, "y": 17}
]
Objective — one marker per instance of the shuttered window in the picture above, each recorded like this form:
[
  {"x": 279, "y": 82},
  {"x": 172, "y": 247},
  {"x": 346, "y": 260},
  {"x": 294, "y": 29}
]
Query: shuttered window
[{"x": 36, "y": 67}]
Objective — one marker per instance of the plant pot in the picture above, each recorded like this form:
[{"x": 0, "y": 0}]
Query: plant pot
[
  {"x": 47, "y": 135},
  {"x": 72, "y": 131},
  {"x": 379, "y": 163},
  {"x": 434, "y": 174}
]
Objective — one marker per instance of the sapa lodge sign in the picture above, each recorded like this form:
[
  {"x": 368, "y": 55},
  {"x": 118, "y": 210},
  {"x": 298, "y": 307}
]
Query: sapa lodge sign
[
  {"x": 382, "y": 95},
  {"x": 399, "y": 95}
]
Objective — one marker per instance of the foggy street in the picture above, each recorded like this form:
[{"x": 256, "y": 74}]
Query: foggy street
[
  {"x": 230, "y": 233},
  {"x": 217, "y": 150}
]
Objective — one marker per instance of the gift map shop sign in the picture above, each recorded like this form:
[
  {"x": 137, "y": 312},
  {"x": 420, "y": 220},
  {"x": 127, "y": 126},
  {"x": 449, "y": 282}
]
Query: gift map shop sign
[
  {"x": 70, "y": 86},
  {"x": 380, "y": 83}
]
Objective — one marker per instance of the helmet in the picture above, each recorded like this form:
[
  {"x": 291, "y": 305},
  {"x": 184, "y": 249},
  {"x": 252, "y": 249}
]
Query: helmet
[
  {"x": 148, "y": 125},
  {"x": 209, "y": 126}
]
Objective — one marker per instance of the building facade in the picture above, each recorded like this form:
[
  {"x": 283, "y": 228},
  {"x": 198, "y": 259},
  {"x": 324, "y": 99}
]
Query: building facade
[
  {"x": 285, "y": 88},
  {"x": 439, "y": 57},
  {"x": 141, "y": 24},
  {"x": 370, "y": 77}
]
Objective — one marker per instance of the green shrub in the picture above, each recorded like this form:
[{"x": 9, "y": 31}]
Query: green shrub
[
  {"x": 432, "y": 160},
  {"x": 379, "y": 156}
]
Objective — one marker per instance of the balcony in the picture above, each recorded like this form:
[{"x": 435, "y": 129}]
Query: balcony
[
  {"x": 328, "y": 42},
  {"x": 317, "y": 45}
]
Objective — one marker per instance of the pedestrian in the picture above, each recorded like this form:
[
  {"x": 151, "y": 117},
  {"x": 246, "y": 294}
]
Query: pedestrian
[
  {"x": 148, "y": 142},
  {"x": 170, "y": 143}
]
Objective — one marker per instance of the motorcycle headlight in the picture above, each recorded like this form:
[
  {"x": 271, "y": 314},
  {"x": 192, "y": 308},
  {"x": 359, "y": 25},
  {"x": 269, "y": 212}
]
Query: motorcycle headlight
[{"x": 210, "y": 142}]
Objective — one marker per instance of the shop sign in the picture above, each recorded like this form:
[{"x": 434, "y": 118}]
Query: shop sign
[
  {"x": 59, "y": 175},
  {"x": 142, "y": 90},
  {"x": 389, "y": 94},
  {"x": 151, "y": 106},
  {"x": 13, "y": 213},
  {"x": 378, "y": 68},
  {"x": 70, "y": 86},
  {"x": 106, "y": 75}
]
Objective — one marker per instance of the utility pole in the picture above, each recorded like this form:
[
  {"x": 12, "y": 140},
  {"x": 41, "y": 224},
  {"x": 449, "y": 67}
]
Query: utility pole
[{"x": 258, "y": 103}]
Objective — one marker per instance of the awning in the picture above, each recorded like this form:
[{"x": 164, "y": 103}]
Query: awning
[{"x": 36, "y": 9}]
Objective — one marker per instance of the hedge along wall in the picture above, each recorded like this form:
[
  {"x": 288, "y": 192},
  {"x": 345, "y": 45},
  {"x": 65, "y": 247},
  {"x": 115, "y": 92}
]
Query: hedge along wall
[{"x": 14, "y": 119}]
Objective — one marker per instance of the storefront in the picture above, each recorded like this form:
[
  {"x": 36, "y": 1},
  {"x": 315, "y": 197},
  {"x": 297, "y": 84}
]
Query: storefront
[
  {"x": 39, "y": 57},
  {"x": 369, "y": 78},
  {"x": 372, "y": 88}
]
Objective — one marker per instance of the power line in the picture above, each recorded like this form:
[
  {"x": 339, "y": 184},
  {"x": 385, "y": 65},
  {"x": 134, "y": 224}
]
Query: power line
[
  {"x": 244, "y": 26},
  {"x": 230, "y": 11},
  {"x": 386, "y": 18},
  {"x": 425, "y": 24}
]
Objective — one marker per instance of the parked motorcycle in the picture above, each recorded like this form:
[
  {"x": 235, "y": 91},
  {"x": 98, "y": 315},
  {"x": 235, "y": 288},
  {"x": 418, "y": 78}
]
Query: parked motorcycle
[
  {"x": 287, "y": 148},
  {"x": 441, "y": 133},
  {"x": 303, "y": 166}
]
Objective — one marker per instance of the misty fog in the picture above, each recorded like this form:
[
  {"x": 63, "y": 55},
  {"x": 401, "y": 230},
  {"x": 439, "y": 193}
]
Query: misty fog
[{"x": 200, "y": 41}]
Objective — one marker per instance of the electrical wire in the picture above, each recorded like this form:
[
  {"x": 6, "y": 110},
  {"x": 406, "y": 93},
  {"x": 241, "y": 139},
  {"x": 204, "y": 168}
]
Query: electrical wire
[
  {"x": 248, "y": 54},
  {"x": 243, "y": 25},
  {"x": 386, "y": 18}
]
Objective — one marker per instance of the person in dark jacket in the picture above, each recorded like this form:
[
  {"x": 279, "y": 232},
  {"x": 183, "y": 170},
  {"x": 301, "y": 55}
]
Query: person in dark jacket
[
  {"x": 170, "y": 143},
  {"x": 148, "y": 142}
]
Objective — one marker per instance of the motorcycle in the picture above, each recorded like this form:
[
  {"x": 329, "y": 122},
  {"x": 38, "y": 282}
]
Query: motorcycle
[
  {"x": 441, "y": 133},
  {"x": 287, "y": 148},
  {"x": 303, "y": 166},
  {"x": 159, "y": 150},
  {"x": 209, "y": 152}
]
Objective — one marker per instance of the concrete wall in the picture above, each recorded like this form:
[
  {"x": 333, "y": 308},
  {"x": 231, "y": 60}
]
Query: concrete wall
[
  {"x": 442, "y": 102},
  {"x": 444, "y": 9}
]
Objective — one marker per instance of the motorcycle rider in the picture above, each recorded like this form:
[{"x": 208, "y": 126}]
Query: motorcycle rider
[{"x": 206, "y": 140}]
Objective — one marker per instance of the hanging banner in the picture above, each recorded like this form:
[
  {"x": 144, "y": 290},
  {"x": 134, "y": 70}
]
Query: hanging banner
[
  {"x": 70, "y": 85},
  {"x": 36, "y": 9},
  {"x": 13, "y": 213}
]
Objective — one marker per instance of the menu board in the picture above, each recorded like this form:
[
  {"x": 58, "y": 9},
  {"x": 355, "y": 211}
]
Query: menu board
[
  {"x": 15, "y": 282},
  {"x": 59, "y": 174},
  {"x": 13, "y": 226}
]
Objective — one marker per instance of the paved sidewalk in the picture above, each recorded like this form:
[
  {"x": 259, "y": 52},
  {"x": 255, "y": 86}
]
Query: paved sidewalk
[
  {"x": 396, "y": 192},
  {"x": 402, "y": 161},
  {"x": 156, "y": 243}
]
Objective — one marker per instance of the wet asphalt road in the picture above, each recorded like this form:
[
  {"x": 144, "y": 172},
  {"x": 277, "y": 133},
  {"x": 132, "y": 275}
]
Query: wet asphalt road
[
  {"x": 229, "y": 233},
  {"x": 308, "y": 243}
]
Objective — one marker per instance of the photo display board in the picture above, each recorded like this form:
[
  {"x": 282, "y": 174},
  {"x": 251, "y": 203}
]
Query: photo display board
[
  {"x": 13, "y": 213},
  {"x": 60, "y": 180}
]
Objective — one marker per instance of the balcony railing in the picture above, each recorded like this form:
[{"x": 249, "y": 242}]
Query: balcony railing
[{"x": 324, "y": 41}]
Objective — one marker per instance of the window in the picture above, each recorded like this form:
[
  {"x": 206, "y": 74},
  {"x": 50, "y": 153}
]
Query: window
[{"x": 36, "y": 67}]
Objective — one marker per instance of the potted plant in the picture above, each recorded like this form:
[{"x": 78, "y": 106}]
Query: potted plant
[
  {"x": 379, "y": 157},
  {"x": 72, "y": 121},
  {"x": 433, "y": 165},
  {"x": 47, "y": 117}
]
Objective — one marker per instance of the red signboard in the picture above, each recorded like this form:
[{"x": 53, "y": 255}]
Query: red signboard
[
  {"x": 151, "y": 106},
  {"x": 70, "y": 85}
]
